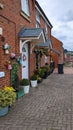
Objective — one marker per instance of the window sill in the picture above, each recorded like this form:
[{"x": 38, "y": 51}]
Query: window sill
[{"x": 25, "y": 16}]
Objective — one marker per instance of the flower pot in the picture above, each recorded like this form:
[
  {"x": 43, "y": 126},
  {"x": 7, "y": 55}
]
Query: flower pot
[
  {"x": 20, "y": 93},
  {"x": 34, "y": 83},
  {"x": 26, "y": 89},
  {"x": 9, "y": 67},
  {"x": 12, "y": 55},
  {"x": 3, "y": 111}
]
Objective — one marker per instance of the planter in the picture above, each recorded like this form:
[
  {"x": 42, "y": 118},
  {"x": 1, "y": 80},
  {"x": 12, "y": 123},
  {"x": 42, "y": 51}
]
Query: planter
[
  {"x": 3, "y": 111},
  {"x": 25, "y": 85},
  {"x": 20, "y": 93},
  {"x": 26, "y": 89},
  {"x": 45, "y": 75},
  {"x": 39, "y": 81},
  {"x": 34, "y": 83}
]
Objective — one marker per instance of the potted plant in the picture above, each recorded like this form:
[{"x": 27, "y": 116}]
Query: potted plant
[
  {"x": 7, "y": 98},
  {"x": 42, "y": 73},
  {"x": 34, "y": 80},
  {"x": 16, "y": 85},
  {"x": 45, "y": 69},
  {"x": 26, "y": 85},
  {"x": 15, "y": 82},
  {"x": 39, "y": 79}
]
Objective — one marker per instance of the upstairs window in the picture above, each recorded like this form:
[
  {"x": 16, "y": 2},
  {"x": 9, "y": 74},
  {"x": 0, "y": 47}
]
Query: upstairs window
[
  {"x": 46, "y": 30},
  {"x": 37, "y": 25},
  {"x": 25, "y": 6},
  {"x": 37, "y": 19}
]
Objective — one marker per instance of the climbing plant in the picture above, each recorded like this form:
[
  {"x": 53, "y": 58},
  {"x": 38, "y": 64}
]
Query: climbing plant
[{"x": 14, "y": 72}]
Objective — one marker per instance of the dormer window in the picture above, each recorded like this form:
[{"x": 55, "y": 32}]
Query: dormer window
[{"x": 25, "y": 7}]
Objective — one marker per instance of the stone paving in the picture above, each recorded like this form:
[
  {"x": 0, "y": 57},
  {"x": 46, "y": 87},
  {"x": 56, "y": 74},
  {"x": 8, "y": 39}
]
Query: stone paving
[{"x": 47, "y": 107}]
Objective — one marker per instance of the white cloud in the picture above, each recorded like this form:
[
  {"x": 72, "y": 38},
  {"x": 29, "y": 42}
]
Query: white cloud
[{"x": 60, "y": 14}]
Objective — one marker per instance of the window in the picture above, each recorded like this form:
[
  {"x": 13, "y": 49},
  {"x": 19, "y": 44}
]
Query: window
[
  {"x": 46, "y": 30},
  {"x": 25, "y": 7},
  {"x": 37, "y": 19},
  {"x": 37, "y": 25}
]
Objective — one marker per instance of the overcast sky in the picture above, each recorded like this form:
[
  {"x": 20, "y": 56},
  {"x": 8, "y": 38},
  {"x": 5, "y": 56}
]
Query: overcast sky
[{"x": 60, "y": 14}]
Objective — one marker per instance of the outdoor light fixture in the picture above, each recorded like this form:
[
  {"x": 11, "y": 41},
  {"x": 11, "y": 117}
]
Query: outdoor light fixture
[
  {"x": 1, "y": 6},
  {"x": 1, "y": 31}
]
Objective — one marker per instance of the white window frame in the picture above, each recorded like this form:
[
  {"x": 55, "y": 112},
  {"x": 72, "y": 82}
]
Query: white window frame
[
  {"x": 46, "y": 30},
  {"x": 25, "y": 7},
  {"x": 37, "y": 19},
  {"x": 37, "y": 25}
]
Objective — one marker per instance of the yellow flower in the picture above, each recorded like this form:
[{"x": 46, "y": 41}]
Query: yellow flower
[
  {"x": 7, "y": 96},
  {"x": 9, "y": 88}
]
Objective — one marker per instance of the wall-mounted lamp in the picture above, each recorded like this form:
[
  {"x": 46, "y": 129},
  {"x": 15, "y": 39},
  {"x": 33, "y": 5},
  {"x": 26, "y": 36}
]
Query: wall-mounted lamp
[
  {"x": 1, "y": 6},
  {"x": 1, "y": 31},
  {"x": 6, "y": 48}
]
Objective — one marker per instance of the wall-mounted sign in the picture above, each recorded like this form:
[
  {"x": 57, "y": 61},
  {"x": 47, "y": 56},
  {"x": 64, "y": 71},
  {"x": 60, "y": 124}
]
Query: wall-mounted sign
[{"x": 2, "y": 74}]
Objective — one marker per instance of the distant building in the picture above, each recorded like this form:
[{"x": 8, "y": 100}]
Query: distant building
[{"x": 57, "y": 51}]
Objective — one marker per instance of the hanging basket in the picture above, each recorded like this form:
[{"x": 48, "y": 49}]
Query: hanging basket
[{"x": 12, "y": 55}]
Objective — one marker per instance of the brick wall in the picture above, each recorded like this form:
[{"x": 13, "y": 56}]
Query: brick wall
[
  {"x": 56, "y": 44},
  {"x": 12, "y": 22}
]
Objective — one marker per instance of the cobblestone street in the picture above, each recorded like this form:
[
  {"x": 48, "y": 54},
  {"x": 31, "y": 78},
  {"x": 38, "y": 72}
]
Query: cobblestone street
[{"x": 47, "y": 107}]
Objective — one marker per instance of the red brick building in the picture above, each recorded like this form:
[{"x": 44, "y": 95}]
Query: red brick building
[
  {"x": 67, "y": 57},
  {"x": 57, "y": 51},
  {"x": 23, "y": 25}
]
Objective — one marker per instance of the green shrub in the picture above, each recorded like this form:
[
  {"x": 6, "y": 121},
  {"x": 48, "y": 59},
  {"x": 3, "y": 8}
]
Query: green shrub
[
  {"x": 42, "y": 72},
  {"x": 34, "y": 77},
  {"x": 24, "y": 82}
]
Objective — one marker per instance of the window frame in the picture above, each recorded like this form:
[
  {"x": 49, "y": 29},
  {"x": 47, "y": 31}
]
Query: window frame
[
  {"x": 25, "y": 7},
  {"x": 46, "y": 30},
  {"x": 37, "y": 19},
  {"x": 37, "y": 25}
]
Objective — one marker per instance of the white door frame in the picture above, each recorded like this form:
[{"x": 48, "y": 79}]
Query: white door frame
[{"x": 25, "y": 66}]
